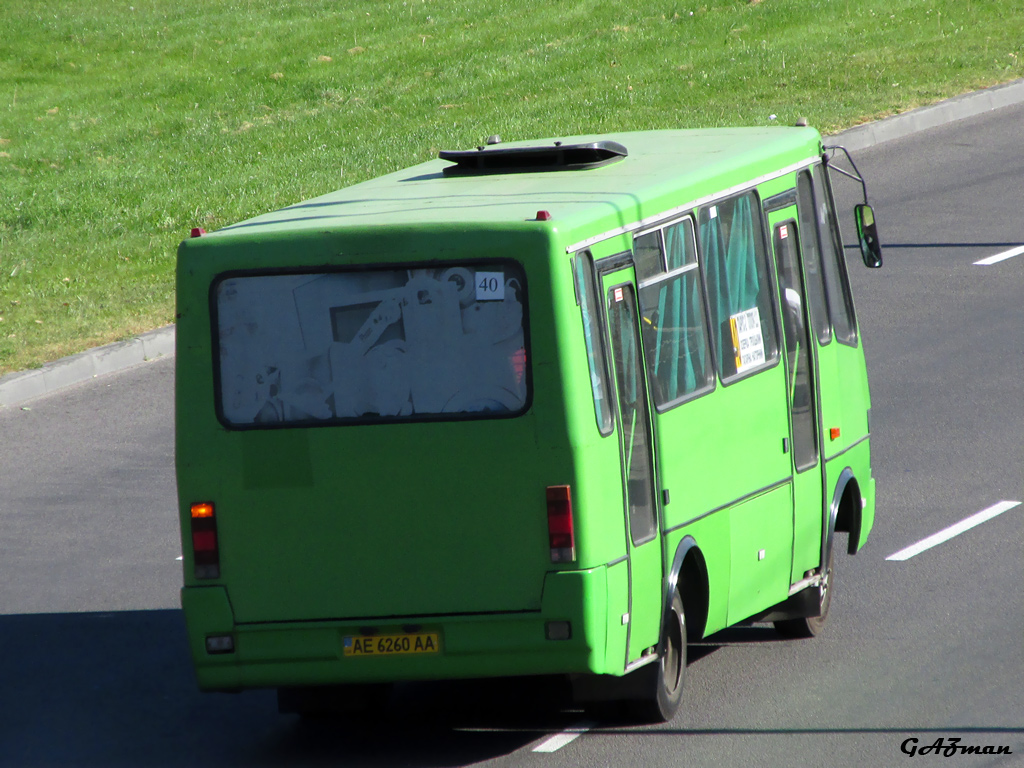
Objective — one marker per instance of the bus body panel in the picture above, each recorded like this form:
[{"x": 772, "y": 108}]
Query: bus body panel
[
  {"x": 761, "y": 533},
  {"x": 704, "y": 472},
  {"x": 311, "y": 653},
  {"x": 358, "y": 523},
  {"x": 617, "y": 627},
  {"x": 338, "y": 509}
]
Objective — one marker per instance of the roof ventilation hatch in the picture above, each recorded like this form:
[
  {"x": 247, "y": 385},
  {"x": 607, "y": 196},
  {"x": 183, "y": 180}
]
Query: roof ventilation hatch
[{"x": 556, "y": 157}]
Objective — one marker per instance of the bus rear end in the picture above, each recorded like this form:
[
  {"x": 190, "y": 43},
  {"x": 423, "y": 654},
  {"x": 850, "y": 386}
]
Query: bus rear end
[{"x": 370, "y": 482}]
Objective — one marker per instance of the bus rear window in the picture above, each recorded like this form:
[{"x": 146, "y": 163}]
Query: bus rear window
[{"x": 395, "y": 344}]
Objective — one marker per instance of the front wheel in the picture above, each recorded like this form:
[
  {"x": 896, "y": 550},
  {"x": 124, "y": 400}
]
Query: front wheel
[{"x": 664, "y": 684}]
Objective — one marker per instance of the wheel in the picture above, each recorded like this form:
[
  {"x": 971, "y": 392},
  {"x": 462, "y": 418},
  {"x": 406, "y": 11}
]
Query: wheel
[
  {"x": 812, "y": 626},
  {"x": 664, "y": 686}
]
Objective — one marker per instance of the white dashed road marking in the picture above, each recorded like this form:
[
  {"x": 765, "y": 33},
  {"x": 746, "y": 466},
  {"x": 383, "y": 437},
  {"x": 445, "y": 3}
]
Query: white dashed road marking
[
  {"x": 954, "y": 530},
  {"x": 1001, "y": 256},
  {"x": 559, "y": 740}
]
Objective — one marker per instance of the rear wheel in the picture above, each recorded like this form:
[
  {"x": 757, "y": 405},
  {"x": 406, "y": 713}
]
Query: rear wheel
[{"x": 663, "y": 687}]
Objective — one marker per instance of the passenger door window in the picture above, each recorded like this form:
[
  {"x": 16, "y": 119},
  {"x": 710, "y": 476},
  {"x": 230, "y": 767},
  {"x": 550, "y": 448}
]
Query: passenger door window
[
  {"x": 586, "y": 292},
  {"x": 740, "y": 304},
  {"x": 633, "y": 415},
  {"x": 799, "y": 376},
  {"x": 813, "y": 235},
  {"x": 837, "y": 283}
]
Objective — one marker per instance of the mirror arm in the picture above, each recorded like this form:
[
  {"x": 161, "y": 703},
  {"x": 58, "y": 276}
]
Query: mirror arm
[{"x": 855, "y": 175}]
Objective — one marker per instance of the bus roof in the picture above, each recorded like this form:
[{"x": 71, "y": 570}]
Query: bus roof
[{"x": 663, "y": 169}]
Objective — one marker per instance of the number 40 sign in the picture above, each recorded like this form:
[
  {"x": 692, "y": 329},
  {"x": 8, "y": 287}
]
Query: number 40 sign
[{"x": 490, "y": 286}]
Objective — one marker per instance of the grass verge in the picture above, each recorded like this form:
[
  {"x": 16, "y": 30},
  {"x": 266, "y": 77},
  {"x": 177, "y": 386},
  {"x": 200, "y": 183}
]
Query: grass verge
[{"x": 124, "y": 124}]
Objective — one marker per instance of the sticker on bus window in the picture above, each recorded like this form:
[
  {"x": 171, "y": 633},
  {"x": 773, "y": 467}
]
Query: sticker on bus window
[
  {"x": 377, "y": 344},
  {"x": 490, "y": 286},
  {"x": 747, "y": 340},
  {"x": 783, "y": 232}
]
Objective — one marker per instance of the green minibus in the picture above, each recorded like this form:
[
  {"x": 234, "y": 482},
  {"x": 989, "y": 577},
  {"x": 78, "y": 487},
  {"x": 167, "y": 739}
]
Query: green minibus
[{"x": 554, "y": 407}]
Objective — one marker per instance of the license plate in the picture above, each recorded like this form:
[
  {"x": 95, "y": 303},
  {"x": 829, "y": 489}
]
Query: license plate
[{"x": 391, "y": 645}]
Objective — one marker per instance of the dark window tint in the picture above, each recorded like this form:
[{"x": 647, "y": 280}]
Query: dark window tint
[
  {"x": 837, "y": 284},
  {"x": 584, "y": 274},
  {"x": 649, "y": 255},
  {"x": 633, "y": 415},
  {"x": 810, "y": 239},
  {"x": 799, "y": 378}
]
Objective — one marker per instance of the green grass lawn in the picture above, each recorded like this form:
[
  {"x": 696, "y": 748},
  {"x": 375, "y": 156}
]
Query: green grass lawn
[{"x": 124, "y": 125}]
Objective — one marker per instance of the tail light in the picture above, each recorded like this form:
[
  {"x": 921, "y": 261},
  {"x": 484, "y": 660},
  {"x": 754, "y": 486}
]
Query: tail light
[
  {"x": 560, "y": 526},
  {"x": 205, "y": 550}
]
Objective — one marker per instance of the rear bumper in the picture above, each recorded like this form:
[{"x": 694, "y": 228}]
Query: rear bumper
[{"x": 489, "y": 645}]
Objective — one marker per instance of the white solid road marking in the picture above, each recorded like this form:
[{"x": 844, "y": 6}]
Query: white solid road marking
[
  {"x": 559, "y": 740},
  {"x": 1001, "y": 256},
  {"x": 954, "y": 530}
]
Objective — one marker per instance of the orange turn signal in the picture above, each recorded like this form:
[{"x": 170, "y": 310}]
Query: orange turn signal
[{"x": 201, "y": 510}]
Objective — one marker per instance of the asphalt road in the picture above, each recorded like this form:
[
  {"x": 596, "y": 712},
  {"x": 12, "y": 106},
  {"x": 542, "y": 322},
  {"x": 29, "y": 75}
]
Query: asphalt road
[{"x": 94, "y": 668}]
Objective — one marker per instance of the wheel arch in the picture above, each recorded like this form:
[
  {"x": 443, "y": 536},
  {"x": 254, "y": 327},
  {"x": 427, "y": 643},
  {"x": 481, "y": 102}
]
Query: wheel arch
[
  {"x": 688, "y": 573},
  {"x": 846, "y": 510}
]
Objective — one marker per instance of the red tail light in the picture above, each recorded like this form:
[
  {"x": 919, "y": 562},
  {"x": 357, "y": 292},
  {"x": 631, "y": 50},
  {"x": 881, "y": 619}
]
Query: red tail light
[
  {"x": 518, "y": 360},
  {"x": 205, "y": 552},
  {"x": 561, "y": 536}
]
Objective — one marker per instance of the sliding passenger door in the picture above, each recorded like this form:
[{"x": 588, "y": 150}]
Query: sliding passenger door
[
  {"x": 802, "y": 392},
  {"x": 643, "y": 543}
]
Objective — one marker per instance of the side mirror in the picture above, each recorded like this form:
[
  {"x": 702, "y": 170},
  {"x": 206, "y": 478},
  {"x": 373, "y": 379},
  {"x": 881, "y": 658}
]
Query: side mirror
[{"x": 867, "y": 235}]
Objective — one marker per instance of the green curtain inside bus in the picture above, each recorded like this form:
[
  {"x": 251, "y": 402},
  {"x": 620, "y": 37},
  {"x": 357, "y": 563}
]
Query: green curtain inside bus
[
  {"x": 729, "y": 243},
  {"x": 689, "y": 341},
  {"x": 674, "y": 326}
]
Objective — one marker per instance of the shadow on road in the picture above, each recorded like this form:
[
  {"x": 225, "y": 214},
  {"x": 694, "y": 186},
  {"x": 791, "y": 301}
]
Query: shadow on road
[
  {"x": 117, "y": 689},
  {"x": 740, "y": 635}
]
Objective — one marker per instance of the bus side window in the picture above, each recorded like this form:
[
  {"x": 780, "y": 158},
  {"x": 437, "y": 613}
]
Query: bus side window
[
  {"x": 583, "y": 273},
  {"x": 837, "y": 283},
  {"x": 674, "y": 322},
  {"x": 743, "y": 325}
]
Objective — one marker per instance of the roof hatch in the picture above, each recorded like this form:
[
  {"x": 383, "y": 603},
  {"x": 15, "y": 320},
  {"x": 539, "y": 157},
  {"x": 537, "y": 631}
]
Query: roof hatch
[{"x": 549, "y": 157}]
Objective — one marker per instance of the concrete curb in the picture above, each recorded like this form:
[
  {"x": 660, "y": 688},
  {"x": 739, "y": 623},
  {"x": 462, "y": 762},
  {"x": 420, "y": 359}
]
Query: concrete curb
[
  {"x": 16, "y": 388},
  {"x": 923, "y": 118}
]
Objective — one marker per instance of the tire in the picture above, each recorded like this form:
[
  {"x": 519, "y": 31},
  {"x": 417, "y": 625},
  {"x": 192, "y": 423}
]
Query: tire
[
  {"x": 812, "y": 626},
  {"x": 664, "y": 683}
]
